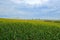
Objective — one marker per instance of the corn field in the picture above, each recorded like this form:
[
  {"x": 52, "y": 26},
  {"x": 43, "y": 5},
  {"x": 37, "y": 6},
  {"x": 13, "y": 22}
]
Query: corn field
[{"x": 29, "y": 30}]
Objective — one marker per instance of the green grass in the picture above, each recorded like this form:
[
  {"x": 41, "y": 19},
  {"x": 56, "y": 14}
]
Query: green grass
[{"x": 11, "y": 29}]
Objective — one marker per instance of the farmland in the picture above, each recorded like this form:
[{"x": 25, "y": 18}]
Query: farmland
[{"x": 13, "y": 29}]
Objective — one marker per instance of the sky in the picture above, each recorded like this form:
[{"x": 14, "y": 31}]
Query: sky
[{"x": 30, "y": 9}]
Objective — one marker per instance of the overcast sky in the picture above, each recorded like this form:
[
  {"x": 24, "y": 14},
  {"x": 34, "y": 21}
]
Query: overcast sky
[{"x": 28, "y": 9}]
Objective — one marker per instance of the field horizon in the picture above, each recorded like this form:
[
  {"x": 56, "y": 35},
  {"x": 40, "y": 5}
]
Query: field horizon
[{"x": 19, "y": 29}]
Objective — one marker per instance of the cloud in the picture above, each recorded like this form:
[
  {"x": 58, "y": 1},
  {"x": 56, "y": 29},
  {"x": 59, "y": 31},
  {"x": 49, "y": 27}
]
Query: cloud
[
  {"x": 16, "y": 1},
  {"x": 30, "y": 2}
]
